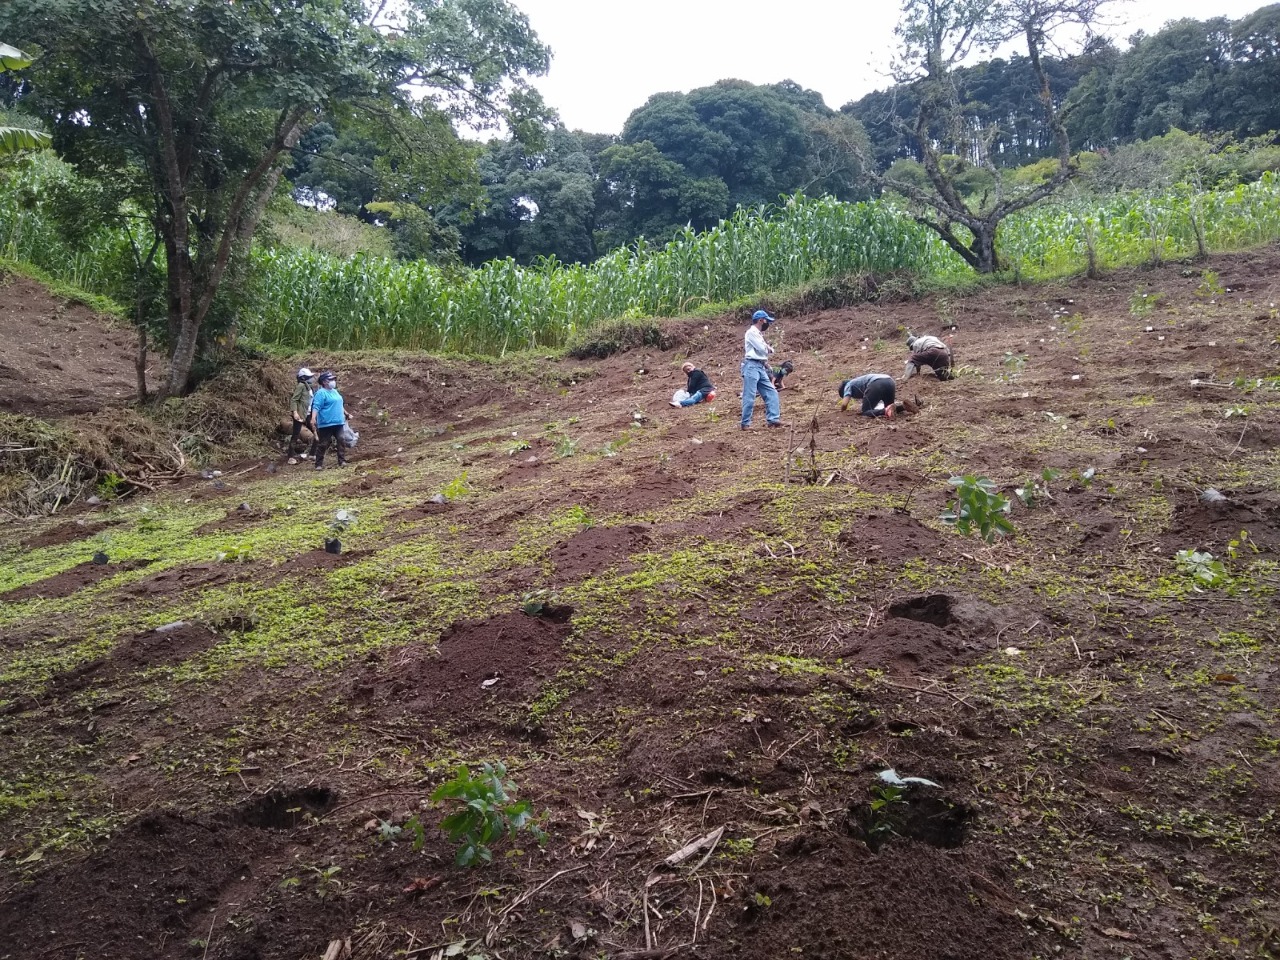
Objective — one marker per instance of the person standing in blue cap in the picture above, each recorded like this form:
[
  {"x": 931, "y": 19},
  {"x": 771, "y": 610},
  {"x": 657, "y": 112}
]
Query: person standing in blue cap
[{"x": 757, "y": 375}]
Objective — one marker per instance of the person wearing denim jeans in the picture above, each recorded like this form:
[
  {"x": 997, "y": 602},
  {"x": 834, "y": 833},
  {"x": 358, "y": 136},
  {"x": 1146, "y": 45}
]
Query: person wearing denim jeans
[
  {"x": 698, "y": 387},
  {"x": 757, "y": 376}
]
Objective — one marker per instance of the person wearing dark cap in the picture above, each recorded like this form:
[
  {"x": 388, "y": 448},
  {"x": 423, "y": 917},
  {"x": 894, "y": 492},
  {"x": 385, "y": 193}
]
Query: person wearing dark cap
[
  {"x": 757, "y": 376},
  {"x": 328, "y": 418},
  {"x": 928, "y": 352},
  {"x": 873, "y": 389}
]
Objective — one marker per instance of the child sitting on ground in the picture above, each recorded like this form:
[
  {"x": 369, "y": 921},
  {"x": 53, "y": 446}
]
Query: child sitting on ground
[{"x": 698, "y": 387}]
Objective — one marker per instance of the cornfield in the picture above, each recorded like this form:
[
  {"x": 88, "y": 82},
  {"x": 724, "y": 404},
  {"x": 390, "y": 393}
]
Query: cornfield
[{"x": 305, "y": 299}]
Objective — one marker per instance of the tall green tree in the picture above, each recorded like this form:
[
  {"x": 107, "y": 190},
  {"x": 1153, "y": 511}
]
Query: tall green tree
[
  {"x": 210, "y": 98},
  {"x": 936, "y": 36}
]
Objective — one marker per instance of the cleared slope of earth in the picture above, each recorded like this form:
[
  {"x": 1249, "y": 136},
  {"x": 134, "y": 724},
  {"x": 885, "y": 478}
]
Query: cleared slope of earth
[{"x": 761, "y": 623}]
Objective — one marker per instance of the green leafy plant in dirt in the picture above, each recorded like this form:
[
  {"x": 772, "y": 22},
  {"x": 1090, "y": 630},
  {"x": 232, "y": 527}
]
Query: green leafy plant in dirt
[
  {"x": 537, "y": 602},
  {"x": 566, "y": 446},
  {"x": 389, "y": 832},
  {"x": 456, "y": 487},
  {"x": 487, "y": 811},
  {"x": 110, "y": 486},
  {"x": 1210, "y": 285},
  {"x": 1203, "y": 567},
  {"x": 1037, "y": 488},
  {"x": 1013, "y": 364},
  {"x": 886, "y": 800},
  {"x": 1143, "y": 302},
  {"x": 978, "y": 506}
]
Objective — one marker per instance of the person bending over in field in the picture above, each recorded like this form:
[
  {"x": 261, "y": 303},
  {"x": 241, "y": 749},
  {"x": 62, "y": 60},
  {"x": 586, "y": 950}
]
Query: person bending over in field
[
  {"x": 782, "y": 371},
  {"x": 873, "y": 389},
  {"x": 300, "y": 411},
  {"x": 928, "y": 352},
  {"x": 328, "y": 418},
  {"x": 698, "y": 386}
]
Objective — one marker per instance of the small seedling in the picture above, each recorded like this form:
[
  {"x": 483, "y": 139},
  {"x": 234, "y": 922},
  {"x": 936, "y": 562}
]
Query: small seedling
[
  {"x": 456, "y": 487},
  {"x": 1037, "y": 489},
  {"x": 978, "y": 506},
  {"x": 234, "y": 554},
  {"x": 566, "y": 446},
  {"x": 488, "y": 811},
  {"x": 1236, "y": 412},
  {"x": 1210, "y": 285},
  {"x": 536, "y": 602},
  {"x": 1013, "y": 364},
  {"x": 110, "y": 486},
  {"x": 1085, "y": 477},
  {"x": 1203, "y": 567},
  {"x": 885, "y": 800},
  {"x": 1143, "y": 302}
]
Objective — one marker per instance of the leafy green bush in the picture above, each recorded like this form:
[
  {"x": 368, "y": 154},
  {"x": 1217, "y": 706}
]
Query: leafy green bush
[
  {"x": 978, "y": 506},
  {"x": 488, "y": 811}
]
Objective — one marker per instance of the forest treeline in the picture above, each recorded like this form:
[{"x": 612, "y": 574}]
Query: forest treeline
[{"x": 691, "y": 159}]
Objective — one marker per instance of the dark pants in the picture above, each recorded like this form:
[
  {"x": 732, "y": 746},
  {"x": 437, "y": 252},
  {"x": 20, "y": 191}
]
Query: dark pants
[
  {"x": 323, "y": 436},
  {"x": 937, "y": 360},
  {"x": 293, "y": 440},
  {"x": 879, "y": 390}
]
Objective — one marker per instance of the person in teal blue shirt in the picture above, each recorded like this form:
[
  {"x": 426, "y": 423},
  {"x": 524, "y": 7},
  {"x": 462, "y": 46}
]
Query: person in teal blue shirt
[{"x": 328, "y": 418}]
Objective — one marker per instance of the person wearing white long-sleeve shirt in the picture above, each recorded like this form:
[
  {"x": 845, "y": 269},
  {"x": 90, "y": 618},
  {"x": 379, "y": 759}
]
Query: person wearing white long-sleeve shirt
[{"x": 757, "y": 377}]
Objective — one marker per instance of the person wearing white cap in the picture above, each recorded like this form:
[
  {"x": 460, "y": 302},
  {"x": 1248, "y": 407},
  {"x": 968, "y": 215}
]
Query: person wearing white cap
[
  {"x": 757, "y": 375},
  {"x": 300, "y": 410}
]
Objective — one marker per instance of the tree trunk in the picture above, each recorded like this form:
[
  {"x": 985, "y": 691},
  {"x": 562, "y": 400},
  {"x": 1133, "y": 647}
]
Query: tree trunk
[
  {"x": 984, "y": 247},
  {"x": 140, "y": 362}
]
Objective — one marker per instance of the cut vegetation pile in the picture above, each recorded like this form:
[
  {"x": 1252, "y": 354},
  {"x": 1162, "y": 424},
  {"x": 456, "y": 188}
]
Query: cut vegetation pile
[{"x": 716, "y": 665}]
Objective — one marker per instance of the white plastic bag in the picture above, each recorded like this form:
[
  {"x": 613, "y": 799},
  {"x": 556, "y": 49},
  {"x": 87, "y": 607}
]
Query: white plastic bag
[
  {"x": 680, "y": 395},
  {"x": 349, "y": 437}
]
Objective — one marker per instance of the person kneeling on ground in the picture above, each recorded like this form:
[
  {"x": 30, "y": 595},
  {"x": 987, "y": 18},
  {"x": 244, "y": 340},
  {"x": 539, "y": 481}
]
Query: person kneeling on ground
[
  {"x": 698, "y": 386},
  {"x": 328, "y": 419},
  {"x": 928, "y": 352},
  {"x": 300, "y": 411},
  {"x": 780, "y": 372},
  {"x": 872, "y": 389}
]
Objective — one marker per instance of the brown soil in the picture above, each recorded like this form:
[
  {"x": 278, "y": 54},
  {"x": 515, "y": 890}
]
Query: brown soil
[
  {"x": 737, "y": 639},
  {"x": 58, "y": 358},
  {"x": 69, "y": 581}
]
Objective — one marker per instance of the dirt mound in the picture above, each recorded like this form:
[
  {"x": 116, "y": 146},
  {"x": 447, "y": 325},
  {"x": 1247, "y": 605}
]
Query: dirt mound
[
  {"x": 913, "y": 900},
  {"x": 596, "y": 548},
  {"x": 422, "y": 511},
  {"x": 64, "y": 533},
  {"x": 906, "y": 646},
  {"x": 156, "y": 648},
  {"x": 176, "y": 580},
  {"x": 889, "y": 536},
  {"x": 69, "y": 581},
  {"x": 1212, "y": 526},
  {"x": 236, "y": 519},
  {"x": 653, "y": 487},
  {"x": 516, "y": 650}
]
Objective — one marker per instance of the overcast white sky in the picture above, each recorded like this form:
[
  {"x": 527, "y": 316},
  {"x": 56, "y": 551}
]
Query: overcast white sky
[{"x": 611, "y": 55}]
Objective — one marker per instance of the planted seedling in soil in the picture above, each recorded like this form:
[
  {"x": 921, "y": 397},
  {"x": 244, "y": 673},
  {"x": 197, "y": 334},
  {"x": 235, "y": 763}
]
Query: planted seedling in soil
[
  {"x": 1037, "y": 489},
  {"x": 978, "y": 507},
  {"x": 1203, "y": 567},
  {"x": 487, "y": 811}
]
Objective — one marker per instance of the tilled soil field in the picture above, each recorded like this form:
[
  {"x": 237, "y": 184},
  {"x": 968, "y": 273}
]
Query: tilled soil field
[{"x": 215, "y": 735}]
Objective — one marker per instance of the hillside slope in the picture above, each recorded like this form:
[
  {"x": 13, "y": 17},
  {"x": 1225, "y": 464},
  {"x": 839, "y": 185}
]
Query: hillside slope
[{"x": 745, "y": 629}]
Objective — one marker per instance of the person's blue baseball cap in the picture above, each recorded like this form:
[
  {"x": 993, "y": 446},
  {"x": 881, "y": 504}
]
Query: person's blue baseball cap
[{"x": 762, "y": 315}]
